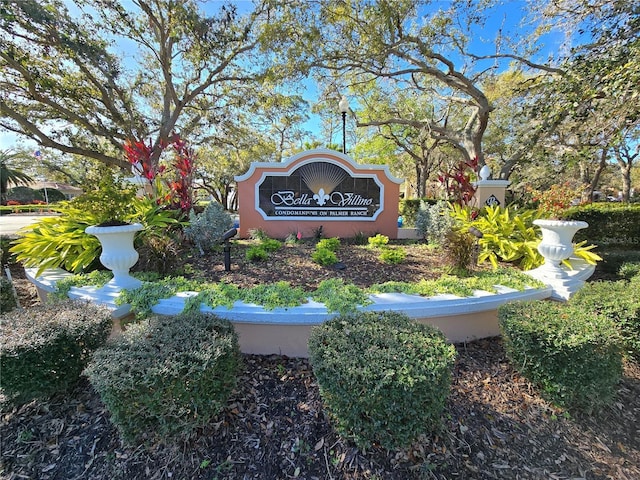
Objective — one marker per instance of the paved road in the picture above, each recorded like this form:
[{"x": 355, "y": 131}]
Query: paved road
[{"x": 10, "y": 224}]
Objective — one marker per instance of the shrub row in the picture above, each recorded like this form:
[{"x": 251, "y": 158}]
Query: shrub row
[
  {"x": 167, "y": 376},
  {"x": 25, "y": 195},
  {"x": 613, "y": 260},
  {"x": 44, "y": 350},
  {"x": 610, "y": 224}
]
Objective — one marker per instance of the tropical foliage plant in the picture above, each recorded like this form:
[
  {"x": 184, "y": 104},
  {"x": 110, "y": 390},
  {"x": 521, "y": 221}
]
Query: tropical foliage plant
[
  {"x": 61, "y": 241},
  {"x": 458, "y": 181},
  {"x": 173, "y": 187},
  {"x": 508, "y": 235},
  {"x": 9, "y": 175}
]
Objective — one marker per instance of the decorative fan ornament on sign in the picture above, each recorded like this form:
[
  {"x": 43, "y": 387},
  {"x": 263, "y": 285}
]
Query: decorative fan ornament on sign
[{"x": 322, "y": 178}]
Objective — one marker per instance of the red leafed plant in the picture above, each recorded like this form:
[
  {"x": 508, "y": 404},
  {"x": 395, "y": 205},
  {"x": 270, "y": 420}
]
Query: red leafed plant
[
  {"x": 458, "y": 181},
  {"x": 555, "y": 200},
  {"x": 182, "y": 187},
  {"x": 145, "y": 160}
]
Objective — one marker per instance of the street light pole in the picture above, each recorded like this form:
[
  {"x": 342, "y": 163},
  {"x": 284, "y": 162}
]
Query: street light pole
[{"x": 344, "y": 108}]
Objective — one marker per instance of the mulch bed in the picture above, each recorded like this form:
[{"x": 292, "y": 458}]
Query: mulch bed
[{"x": 495, "y": 424}]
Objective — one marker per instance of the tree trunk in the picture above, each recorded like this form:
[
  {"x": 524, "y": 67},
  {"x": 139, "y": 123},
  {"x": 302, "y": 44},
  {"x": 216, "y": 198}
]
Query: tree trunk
[
  {"x": 593, "y": 184},
  {"x": 625, "y": 160},
  {"x": 625, "y": 172},
  {"x": 421, "y": 179}
]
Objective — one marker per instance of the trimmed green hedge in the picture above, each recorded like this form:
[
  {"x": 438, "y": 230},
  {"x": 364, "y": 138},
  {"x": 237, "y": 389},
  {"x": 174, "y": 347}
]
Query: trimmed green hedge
[
  {"x": 610, "y": 224},
  {"x": 383, "y": 378},
  {"x": 573, "y": 354},
  {"x": 613, "y": 260},
  {"x": 44, "y": 349},
  {"x": 167, "y": 376},
  {"x": 619, "y": 302}
]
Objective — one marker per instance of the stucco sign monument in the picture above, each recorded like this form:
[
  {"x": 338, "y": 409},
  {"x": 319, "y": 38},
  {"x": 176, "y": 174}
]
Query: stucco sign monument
[{"x": 318, "y": 188}]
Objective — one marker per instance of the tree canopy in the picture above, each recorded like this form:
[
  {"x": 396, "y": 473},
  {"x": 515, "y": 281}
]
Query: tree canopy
[{"x": 426, "y": 79}]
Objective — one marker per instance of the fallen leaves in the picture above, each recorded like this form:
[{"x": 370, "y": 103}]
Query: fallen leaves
[{"x": 495, "y": 425}]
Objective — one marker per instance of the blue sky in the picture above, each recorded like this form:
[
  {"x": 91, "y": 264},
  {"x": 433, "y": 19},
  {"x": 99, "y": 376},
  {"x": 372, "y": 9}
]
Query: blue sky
[{"x": 508, "y": 16}]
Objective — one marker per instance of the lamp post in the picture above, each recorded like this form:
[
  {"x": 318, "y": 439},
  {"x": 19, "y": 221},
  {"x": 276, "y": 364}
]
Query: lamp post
[{"x": 344, "y": 108}]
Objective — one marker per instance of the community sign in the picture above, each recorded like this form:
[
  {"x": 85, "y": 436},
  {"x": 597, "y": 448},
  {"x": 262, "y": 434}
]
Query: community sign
[{"x": 318, "y": 187}]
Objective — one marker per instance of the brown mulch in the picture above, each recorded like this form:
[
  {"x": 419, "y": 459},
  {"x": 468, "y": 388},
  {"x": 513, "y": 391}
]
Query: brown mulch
[
  {"x": 357, "y": 264},
  {"x": 495, "y": 426}
]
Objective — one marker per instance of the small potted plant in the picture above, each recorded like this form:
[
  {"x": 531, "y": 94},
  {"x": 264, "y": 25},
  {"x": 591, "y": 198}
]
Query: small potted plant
[{"x": 557, "y": 233}]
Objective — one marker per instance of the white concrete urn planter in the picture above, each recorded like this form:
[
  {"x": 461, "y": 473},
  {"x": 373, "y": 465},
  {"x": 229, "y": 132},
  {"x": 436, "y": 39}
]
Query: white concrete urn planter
[
  {"x": 557, "y": 244},
  {"x": 118, "y": 254}
]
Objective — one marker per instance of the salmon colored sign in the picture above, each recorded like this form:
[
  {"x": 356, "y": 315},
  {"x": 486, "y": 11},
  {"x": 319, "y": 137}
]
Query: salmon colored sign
[{"x": 318, "y": 188}]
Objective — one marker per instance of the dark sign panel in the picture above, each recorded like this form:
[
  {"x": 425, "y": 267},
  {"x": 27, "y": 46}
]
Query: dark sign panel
[{"x": 319, "y": 189}]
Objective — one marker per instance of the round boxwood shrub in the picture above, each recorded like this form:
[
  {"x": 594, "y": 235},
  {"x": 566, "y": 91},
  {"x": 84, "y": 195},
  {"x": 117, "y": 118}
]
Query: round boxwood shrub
[
  {"x": 383, "y": 378},
  {"x": 167, "y": 376},
  {"x": 324, "y": 257},
  {"x": 45, "y": 348},
  {"x": 571, "y": 352}
]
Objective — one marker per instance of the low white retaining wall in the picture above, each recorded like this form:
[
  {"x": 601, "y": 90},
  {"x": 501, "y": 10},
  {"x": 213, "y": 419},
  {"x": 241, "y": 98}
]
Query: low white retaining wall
[{"x": 286, "y": 331}]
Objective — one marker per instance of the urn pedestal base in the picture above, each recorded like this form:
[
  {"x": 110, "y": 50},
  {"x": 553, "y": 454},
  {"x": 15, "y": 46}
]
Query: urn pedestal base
[{"x": 569, "y": 282}]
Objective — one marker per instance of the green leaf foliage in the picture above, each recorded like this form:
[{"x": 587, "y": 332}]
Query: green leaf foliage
[
  {"x": 148, "y": 294},
  {"x": 324, "y": 257},
  {"x": 610, "y": 224},
  {"x": 462, "y": 286},
  {"x": 392, "y": 255},
  {"x": 256, "y": 254},
  {"x": 214, "y": 295},
  {"x": 340, "y": 297},
  {"x": 205, "y": 230},
  {"x": 7, "y": 298},
  {"x": 508, "y": 235},
  {"x": 62, "y": 242},
  {"x": 573, "y": 353},
  {"x": 378, "y": 241},
  {"x": 275, "y": 295},
  {"x": 383, "y": 378},
  {"x": 44, "y": 349},
  {"x": 166, "y": 377},
  {"x": 97, "y": 278},
  {"x": 618, "y": 301},
  {"x": 332, "y": 244}
]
